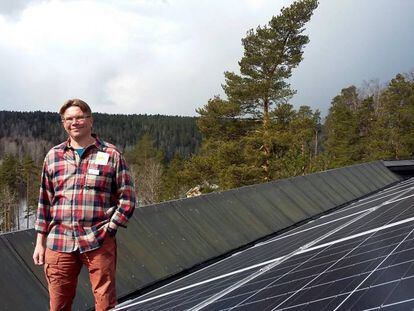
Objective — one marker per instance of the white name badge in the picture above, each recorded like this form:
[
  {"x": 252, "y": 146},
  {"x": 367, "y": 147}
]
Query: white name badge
[
  {"x": 92, "y": 171},
  {"x": 102, "y": 158}
]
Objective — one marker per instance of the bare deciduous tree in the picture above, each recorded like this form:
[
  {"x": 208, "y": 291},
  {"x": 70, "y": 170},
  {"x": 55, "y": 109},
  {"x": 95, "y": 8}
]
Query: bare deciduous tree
[{"x": 147, "y": 179}]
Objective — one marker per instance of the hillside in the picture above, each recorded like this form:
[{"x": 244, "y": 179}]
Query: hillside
[{"x": 35, "y": 132}]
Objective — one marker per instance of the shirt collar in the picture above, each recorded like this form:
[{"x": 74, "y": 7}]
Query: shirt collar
[{"x": 99, "y": 144}]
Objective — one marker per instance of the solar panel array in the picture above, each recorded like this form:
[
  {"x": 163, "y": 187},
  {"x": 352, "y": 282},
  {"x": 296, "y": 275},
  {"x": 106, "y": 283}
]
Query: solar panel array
[{"x": 360, "y": 257}]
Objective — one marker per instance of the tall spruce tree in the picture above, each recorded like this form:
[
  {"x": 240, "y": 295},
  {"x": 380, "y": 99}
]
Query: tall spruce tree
[
  {"x": 30, "y": 175},
  {"x": 341, "y": 127},
  {"x": 9, "y": 173},
  {"x": 241, "y": 134}
]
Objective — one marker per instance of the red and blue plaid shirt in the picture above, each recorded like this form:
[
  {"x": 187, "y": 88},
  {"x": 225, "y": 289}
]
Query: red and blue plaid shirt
[{"x": 79, "y": 196}]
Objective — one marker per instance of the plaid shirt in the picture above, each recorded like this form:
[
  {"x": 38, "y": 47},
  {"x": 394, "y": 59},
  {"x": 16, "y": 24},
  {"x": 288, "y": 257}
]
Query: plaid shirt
[{"x": 80, "y": 195}]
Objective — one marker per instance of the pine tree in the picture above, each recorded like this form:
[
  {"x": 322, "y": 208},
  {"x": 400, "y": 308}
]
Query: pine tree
[
  {"x": 270, "y": 54},
  {"x": 243, "y": 135},
  {"x": 9, "y": 173},
  {"x": 30, "y": 177}
]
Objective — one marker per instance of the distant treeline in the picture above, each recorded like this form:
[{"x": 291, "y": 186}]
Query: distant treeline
[{"x": 34, "y": 133}]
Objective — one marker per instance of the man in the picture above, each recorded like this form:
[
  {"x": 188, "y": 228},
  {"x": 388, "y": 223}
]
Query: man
[{"x": 86, "y": 193}]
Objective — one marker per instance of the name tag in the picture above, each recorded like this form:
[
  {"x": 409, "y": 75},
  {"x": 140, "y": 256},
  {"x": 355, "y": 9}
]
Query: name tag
[
  {"x": 102, "y": 158},
  {"x": 93, "y": 171}
]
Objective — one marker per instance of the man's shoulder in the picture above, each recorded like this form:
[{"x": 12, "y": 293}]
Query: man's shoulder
[
  {"x": 61, "y": 146},
  {"x": 56, "y": 149},
  {"x": 55, "y": 153},
  {"x": 110, "y": 148}
]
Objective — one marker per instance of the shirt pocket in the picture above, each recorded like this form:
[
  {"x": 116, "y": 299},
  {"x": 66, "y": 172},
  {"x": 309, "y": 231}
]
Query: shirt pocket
[{"x": 98, "y": 178}]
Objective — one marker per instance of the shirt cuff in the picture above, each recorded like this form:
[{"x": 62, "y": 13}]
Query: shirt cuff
[{"x": 119, "y": 219}]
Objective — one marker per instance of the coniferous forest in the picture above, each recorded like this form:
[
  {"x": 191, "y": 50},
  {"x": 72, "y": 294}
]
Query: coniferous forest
[{"x": 253, "y": 135}]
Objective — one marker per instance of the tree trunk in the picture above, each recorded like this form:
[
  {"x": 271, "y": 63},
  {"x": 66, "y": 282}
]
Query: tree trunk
[
  {"x": 17, "y": 215},
  {"x": 27, "y": 203},
  {"x": 266, "y": 142}
]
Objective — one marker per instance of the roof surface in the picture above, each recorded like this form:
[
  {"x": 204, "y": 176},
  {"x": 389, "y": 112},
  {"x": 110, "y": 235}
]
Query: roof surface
[
  {"x": 164, "y": 241},
  {"x": 360, "y": 257}
]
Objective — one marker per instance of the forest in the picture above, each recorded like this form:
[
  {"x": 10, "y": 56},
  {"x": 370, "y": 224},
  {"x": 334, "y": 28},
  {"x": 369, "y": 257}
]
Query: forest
[
  {"x": 25, "y": 138},
  {"x": 251, "y": 135},
  {"x": 34, "y": 133}
]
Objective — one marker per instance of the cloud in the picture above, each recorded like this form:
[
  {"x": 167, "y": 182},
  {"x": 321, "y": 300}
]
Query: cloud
[
  {"x": 126, "y": 56},
  {"x": 60, "y": 48},
  {"x": 14, "y": 7},
  {"x": 168, "y": 57}
]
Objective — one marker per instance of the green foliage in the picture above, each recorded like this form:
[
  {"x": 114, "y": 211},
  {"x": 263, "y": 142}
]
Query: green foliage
[
  {"x": 360, "y": 129},
  {"x": 270, "y": 54},
  {"x": 9, "y": 173},
  {"x": 142, "y": 151},
  {"x": 173, "y": 181},
  {"x": 396, "y": 119},
  {"x": 342, "y": 129},
  {"x": 246, "y": 135},
  {"x": 30, "y": 178},
  {"x": 220, "y": 119}
]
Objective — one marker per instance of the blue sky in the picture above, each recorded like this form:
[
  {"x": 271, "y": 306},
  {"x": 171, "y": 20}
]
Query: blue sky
[{"x": 168, "y": 56}]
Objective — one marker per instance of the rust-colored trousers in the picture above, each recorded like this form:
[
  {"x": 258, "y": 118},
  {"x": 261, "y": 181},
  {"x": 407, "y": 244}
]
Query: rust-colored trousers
[{"x": 62, "y": 270}]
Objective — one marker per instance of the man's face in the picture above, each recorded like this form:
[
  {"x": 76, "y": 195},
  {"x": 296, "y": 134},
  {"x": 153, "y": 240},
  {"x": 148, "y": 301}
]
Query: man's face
[{"x": 77, "y": 123}]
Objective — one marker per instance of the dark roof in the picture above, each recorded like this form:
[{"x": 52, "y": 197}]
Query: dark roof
[
  {"x": 167, "y": 240},
  {"x": 403, "y": 168}
]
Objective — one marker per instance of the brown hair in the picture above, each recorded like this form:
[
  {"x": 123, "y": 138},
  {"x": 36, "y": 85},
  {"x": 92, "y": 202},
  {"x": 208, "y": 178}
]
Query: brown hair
[{"x": 77, "y": 103}]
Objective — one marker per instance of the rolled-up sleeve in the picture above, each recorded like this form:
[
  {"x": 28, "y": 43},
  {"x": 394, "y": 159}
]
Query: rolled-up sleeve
[{"x": 124, "y": 192}]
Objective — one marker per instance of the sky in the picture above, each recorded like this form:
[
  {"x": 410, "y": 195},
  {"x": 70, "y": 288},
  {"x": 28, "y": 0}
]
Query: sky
[{"x": 168, "y": 56}]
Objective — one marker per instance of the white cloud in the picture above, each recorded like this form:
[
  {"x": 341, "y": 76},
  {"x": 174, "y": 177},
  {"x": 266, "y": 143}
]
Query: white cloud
[
  {"x": 67, "y": 48},
  {"x": 128, "y": 56}
]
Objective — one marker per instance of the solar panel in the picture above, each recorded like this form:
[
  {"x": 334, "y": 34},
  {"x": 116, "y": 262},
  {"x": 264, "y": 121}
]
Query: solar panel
[{"x": 360, "y": 257}]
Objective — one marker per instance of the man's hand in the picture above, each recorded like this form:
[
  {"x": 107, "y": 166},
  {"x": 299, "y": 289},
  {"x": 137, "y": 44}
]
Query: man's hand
[
  {"x": 112, "y": 225},
  {"x": 40, "y": 249}
]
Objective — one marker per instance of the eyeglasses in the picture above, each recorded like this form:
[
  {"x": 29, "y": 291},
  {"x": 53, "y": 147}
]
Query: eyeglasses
[{"x": 79, "y": 119}]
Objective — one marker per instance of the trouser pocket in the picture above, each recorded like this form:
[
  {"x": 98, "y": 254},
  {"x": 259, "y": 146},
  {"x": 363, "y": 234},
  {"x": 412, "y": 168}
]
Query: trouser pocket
[{"x": 52, "y": 267}]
